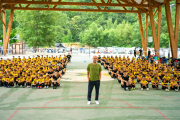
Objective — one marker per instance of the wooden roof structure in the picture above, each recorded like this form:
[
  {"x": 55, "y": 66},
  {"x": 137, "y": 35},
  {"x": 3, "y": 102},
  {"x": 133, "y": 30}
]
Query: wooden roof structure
[
  {"x": 95, "y": 5},
  {"x": 117, "y": 6}
]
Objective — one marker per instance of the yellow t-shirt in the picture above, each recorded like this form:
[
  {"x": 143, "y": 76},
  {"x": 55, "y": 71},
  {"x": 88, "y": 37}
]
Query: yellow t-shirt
[
  {"x": 3, "y": 79},
  {"x": 1, "y": 75},
  {"x": 167, "y": 78},
  {"x": 144, "y": 82},
  {"x": 21, "y": 79},
  {"x": 155, "y": 82},
  {"x": 11, "y": 80},
  {"x": 47, "y": 79},
  {"x": 41, "y": 80},
  {"x": 35, "y": 80},
  {"x": 133, "y": 82},
  {"x": 136, "y": 73},
  {"x": 15, "y": 75},
  {"x": 29, "y": 79},
  {"x": 173, "y": 83},
  {"x": 131, "y": 76},
  {"x": 164, "y": 83},
  {"x": 139, "y": 76}
]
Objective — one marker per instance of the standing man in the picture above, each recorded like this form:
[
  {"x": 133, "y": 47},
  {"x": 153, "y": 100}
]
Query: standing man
[
  {"x": 149, "y": 53},
  {"x": 94, "y": 77},
  {"x": 135, "y": 52},
  {"x": 140, "y": 53}
]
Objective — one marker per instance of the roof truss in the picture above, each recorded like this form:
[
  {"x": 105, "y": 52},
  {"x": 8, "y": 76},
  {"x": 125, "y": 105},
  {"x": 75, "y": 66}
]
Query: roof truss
[{"x": 56, "y": 5}]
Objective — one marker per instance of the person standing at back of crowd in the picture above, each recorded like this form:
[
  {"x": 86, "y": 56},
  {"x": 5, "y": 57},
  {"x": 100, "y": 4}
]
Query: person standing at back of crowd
[
  {"x": 149, "y": 53},
  {"x": 135, "y": 52},
  {"x": 140, "y": 53},
  {"x": 69, "y": 57}
]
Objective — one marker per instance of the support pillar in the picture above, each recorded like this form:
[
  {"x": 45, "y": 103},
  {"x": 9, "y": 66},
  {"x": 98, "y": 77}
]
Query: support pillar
[
  {"x": 6, "y": 40},
  {"x": 146, "y": 31},
  {"x": 177, "y": 25},
  {"x": 153, "y": 29},
  {"x": 4, "y": 30},
  {"x": 144, "y": 44},
  {"x": 159, "y": 27},
  {"x": 172, "y": 37}
]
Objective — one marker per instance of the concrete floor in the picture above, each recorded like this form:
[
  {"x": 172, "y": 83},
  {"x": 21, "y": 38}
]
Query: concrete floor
[{"x": 69, "y": 101}]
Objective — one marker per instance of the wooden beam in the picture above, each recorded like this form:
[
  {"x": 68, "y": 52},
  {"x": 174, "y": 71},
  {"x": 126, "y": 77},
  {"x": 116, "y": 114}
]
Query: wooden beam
[
  {"x": 27, "y": 5},
  {"x": 0, "y": 15},
  {"x": 4, "y": 31},
  {"x": 5, "y": 43},
  {"x": 56, "y": 5},
  {"x": 177, "y": 21},
  {"x": 170, "y": 30},
  {"x": 159, "y": 25},
  {"x": 153, "y": 29},
  {"x": 156, "y": 22},
  {"x": 79, "y": 10},
  {"x": 142, "y": 34},
  {"x": 123, "y": 7},
  {"x": 109, "y": 1},
  {"x": 146, "y": 33},
  {"x": 141, "y": 7},
  {"x": 3, "y": 22},
  {"x": 77, "y": 3},
  {"x": 96, "y": 6},
  {"x": 153, "y": 16}
]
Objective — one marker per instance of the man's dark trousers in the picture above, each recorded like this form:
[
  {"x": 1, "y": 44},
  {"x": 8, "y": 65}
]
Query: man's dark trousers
[{"x": 91, "y": 84}]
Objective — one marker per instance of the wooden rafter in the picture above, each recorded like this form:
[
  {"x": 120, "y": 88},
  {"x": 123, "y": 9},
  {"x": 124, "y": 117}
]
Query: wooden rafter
[
  {"x": 56, "y": 5},
  {"x": 79, "y": 10},
  {"x": 77, "y": 3},
  {"x": 109, "y": 1},
  {"x": 123, "y": 7},
  {"x": 27, "y": 5},
  {"x": 154, "y": 20},
  {"x": 3, "y": 22},
  {"x": 135, "y": 3},
  {"x": 96, "y": 6}
]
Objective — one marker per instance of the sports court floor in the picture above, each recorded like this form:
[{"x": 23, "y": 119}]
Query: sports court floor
[{"x": 69, "y": 100}]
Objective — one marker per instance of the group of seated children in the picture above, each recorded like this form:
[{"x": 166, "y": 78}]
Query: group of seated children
[
  {"x": 128, "y": 71},
  {"x": 32, "y": 72}
]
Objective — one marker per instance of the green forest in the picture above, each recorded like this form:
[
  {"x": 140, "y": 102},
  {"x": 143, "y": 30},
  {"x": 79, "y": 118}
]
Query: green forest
[{"x": 44, "y": 28}]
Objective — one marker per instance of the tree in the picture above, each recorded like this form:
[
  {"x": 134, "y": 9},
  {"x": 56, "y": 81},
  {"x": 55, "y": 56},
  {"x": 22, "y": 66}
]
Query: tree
[{"x": 37, "y": 28}]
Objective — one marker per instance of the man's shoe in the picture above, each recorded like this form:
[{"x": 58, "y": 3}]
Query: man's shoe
[
  {"x": 142, "y": 89},
  {"x": 97, "y": 102},
  {"x": 44, "y": 87},
  {"x": 147, "y": 89},
  {"x": 89, "y": 102}
]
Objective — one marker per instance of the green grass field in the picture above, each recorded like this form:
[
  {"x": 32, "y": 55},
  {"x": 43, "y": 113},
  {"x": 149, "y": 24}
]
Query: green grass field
[{"x": 69, "y": 101}]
